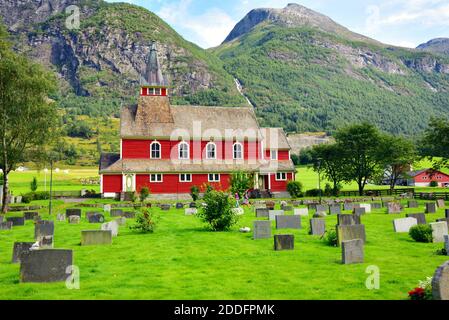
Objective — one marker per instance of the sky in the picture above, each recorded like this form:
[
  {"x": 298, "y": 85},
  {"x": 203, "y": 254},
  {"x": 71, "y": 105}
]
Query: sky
[{"x": 406, "y": 23}]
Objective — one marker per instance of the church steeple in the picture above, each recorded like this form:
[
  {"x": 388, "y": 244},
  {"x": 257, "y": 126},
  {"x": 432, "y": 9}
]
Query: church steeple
[{"x": 154, "y": 83}]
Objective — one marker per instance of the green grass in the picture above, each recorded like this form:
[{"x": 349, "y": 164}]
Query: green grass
[{"x": 183, "y": 260}]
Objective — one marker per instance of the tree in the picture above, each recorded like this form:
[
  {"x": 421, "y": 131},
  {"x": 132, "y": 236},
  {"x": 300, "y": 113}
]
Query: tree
[
  {"x": 240, "y": 182},
  {"x": 28, "y": 119},
  {"x": 144, "y": 193},
  {"x": 330, "y": 159},
  {"x": 218, "y": 211},
  {"x": 33, "y": 184},
  {"x": 360, "y": 146},
  {"x": 396, "y": 155},
  {"x": 435, "y": 142}
]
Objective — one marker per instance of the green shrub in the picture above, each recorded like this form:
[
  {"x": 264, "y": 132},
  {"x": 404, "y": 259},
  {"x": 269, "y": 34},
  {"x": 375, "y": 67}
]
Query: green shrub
[
  {"x": 328, "y": 190},
  {"x": 331, "y": 238},
  {"x": 218, "y": 213},
  {"x": 421, "y": 233},
  {"x": 195, "y": 193},
  {"x": 240, "y": 182},
  {"x": 145, "y": 221},
  {"x": 144, "y": 193},
  {"x": 295, "y": 189},
  {"x": 433, "y": 184},
  {"x": 33, "y": 184},
  {"x": 33, "y": 196},
  {"x": 314, "y": 193}
]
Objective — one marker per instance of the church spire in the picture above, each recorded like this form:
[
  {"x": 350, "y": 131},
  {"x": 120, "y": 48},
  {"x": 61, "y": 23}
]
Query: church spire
[{"x": 155, "y": 83}]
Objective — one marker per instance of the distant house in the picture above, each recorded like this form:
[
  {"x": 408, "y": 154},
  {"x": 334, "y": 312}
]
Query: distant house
[{"x": 423, "y": 178}]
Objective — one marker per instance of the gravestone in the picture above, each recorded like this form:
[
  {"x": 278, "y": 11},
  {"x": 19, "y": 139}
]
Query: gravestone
[
  {"x": 1, "y": 194},
  {"x": 73, "y": 212},
  {"x": 60, "y": 217},
  {"x": 420, "y": 217},
  {"x": 96, "y": 237},
  {"x": 121, "y": 221},
  {"x": 46, "y": 242},
  {"x": 431, "y": 207},
  {"x": 348, "y": 206},
  {"x": 129, "y": 215},
  {"x": 30, "y": 215},
  {"x": 5, "y": 225},
  {"x": 441, "y": 203},
  {"x": 190, "y": 211},
  {"x": 404, "y": 224},
  {"x": 413, "y": 204},
  {"x": 284, "y": 242},
  {"x": 439, "y": 230},
  {"x": 192, "y": 205},
  {"x": 165, "y": 207},
  {"x": 394, "y": 207},
  {"x": 334, "y": 209},
  {"x": 95, "y": 217},
  {"x": 348, "y": 219},
  {"x": 319, "y": 215},
  {"x": 352, "y": 251},
  {"x": 359, "y": 211},
  {"x": 107, "y": 208},
  {"x": 446, "y": 213},
  {"x": 296, "y": 203},
  {"x": 18, "y": 249},
  {"x": 74, "y": 219},
  {"x": 317, "y": 227},
  {"x": 322, "y": 208},
  {"x": 270, "y": 205},
  {"x": 366, "y": 206},
  {"x": 16, "y": 221},
  {"x": 446, "y": 244},
  {"x": 287, "y": 208},
  {"x": 19, "y": 199},
  {"x": 303, "y": 212},
  {"x": 440, "y": 282},
  {"x": 262, "y": 229},
  {"x": 262, "y": 213},
  {"x": 238, "y": 211},
  {"x": 376, "y": 205},
  {"x": 116, "y": 212},
  {"x": 345, "y": 233},
  {"x": 273, "y": 213},
  {"x": 283, "y": 204},
  {"x": 444, "y": 220},
  {"x": 112, "y": 226},
  {"x": 288, "y": 222},
  {"x": 46, "y": 265},
  {"x": 311, "y": 206},
  {"x": 43, "y": 228},
  {"x": 180, "y": 205}
]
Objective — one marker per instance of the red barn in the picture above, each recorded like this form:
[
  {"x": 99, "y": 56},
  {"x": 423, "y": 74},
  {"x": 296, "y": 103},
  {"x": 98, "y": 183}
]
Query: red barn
[
  {"x": 169, "y": 148},
  {"x": 423, "y": 178}
]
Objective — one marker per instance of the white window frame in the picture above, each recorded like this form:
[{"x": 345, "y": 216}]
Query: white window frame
[
  {"x": 179, "y": 150},
  {"x": 151, "y": 150},
  {"x": 241, "y": 151},
  {"x": 156, "y": 175},
  {"x": 214, "y": 175},
  {"x": 185, "y": 176},
  {"x": 274, "y": 152},
  {"x": 207, "y": 150},
  {"x": 281, "y": 176}
]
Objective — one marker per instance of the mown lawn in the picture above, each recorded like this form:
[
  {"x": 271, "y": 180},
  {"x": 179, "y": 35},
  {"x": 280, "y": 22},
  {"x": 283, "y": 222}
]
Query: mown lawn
[{"x": 183, "y": 260}]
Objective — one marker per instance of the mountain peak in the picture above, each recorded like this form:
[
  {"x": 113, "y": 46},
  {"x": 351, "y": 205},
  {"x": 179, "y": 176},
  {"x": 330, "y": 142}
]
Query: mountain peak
[
  {"x": 438, "y": 45},
  {"x": 293, "y": 15}
]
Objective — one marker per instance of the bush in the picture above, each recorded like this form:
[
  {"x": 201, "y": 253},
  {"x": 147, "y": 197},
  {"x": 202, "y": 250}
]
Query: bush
[
  {"x": 295, "y": 189},
  {"x": 328, "y": 190},
  {"x": 195, "y": 193},
  {"x": 32, "y": 196},
  {"x": 240, "y": 182},
  {"x": 423, "y": 291},
  {"x": 33, "y": 184},
  {"x": 145, "y": 221},
  {"x": 314, "y": 193},
  {"x": 144, "y": 193},
  {"x": 433, "y": 184},
  {"x": 421, "y": 233},
  {"x": 331, "y": 238},
  {"x": 218, "y": 213}
]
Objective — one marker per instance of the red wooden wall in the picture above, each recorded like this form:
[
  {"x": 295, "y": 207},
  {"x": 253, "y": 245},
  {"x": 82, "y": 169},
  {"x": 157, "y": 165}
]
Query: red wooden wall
[{"x": 112, "y": 183}]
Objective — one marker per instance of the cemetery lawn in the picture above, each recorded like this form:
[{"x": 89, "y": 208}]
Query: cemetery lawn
[{"x": 183, "y": 260}]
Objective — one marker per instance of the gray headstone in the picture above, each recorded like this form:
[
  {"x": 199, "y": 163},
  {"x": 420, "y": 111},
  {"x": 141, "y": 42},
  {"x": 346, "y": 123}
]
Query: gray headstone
[
  {"x": 16, "y": 221},
  {"x": 296, "y": 203},
  {"x": 113, "y": 226},
  {"x": 5, "y": 225},
  {"x": 303, "y": 212},
  {"x": 441, "y": 203},
  {"x": 95, "y": 217},
  {"x": 192, "y": 205},
  {"x": 348, "y": 219},
  {"x": 73, "y": 212},
  {"x": 121, "y": 221},
  {"x": 359, "y": 211},
  {"x": 376, "y": 205},
  {"x": 165, "y": 207},
  {"x": 420, "y": 217},
  {"x": 107, "y": 208},
  {"x": 273, "y": 213},
  {"x": 190, "y": 211},
  {"x": 394, "y": 207},
  {"x": 352, "y": 251},
  {"x": 444, "y": 220},
  {"x": 413, "y": 204},
  {"x": 440, "y": 282},
  {"x": 287, "y": 208},
  {"x": 129, "y": 215},
  {"x": 311, "y": 206},
  {"x": 317, "y": 226},
  {"x": 446, "y": 213},
  {"x": 262, "y": 213},
  {"x": 366, "y": 206},
  {"x": 46, "y": 242},
  {"x": 43, "y": 228},
  {"x": 334, "y": 209},
  {"x": 116, "y": 212},
  {"x": 345, "y": 233},
  {"x": 18, "y": 249},
  {"x": 60, "y": 217},
  {"x": 439, "y": 230},
  {"x": 348, "y": 206},
  {"x": 19, "y": 199},
  {"x": 446, "y": 244},
  {"x": 96, "y": 237},
  {"x": 74, "y": 219},
  {"x": 288, "y": 222},
  {"x": 404, "y": 224},
  {"x": 46, "y": 265},
  {"x": 431, "y": 207},
  {"x": 180, "y": 205},
  {"x": 262, "y": 229},
  {"x": 322, "y": 208},
  {"x": 284, "y": 242}
]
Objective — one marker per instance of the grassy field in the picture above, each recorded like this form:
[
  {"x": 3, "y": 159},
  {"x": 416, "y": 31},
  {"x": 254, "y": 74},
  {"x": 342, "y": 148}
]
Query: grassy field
[{"x": 183, "y": 260}]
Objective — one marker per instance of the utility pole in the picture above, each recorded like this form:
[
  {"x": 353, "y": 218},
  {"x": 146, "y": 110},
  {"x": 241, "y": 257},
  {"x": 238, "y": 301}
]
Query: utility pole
[
  {"x": 319, "y": 178},
  {"x": 51, "y": 185}
]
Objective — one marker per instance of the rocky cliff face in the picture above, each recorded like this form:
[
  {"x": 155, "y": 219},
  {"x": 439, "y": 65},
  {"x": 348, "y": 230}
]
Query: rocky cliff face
[{"x": 439, "y": 45}]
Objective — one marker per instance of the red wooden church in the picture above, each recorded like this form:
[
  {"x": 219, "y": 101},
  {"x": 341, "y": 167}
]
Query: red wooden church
[{"x": 169, "y": 148}]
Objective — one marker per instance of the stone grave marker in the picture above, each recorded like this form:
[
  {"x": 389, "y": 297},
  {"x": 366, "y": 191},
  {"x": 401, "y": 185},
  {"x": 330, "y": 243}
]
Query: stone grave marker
[
  {"x": 18, "y": 249},
  {"x": 348, "y": 206},
  {"x": 287, "y": 208},
  {"x": 303, "y": 212},
  {"x": 311, "y": 206},
  {"x": 352, "y": 232},
  {"x": 366, "y": 206},
  {"x": 394, "y": 207},
  {"x": 376, "y": 205},
  {"x": 190, "y": 211},
  {"x": 19, "y": 199},
  {"x": 296, "y": 203},
  {"x": 444, "y": 220},
  {"x": 262, "y": 229},
  {"x": 359, "y": 211},
  {"x": 96, "y": 237},
  {"x": 431, "y": 207},
  {"x": 270, "y": 205},
  {"x": 420, "y": 217},
  {"x": 107, "y": 208},
  {"x": 192, "y": 205},
  {"x": 446, "y": 244},
  {"x": 165, "y": 207},
  {"x": 46, "y": 265},
  {"x": 262, "y": 213},
  {"x": 273, "y": 213},
  {"x": 46, "y": 242},
  {"x": 288, "y": 222},
  {"x": 352, "y": 251},
  {"x": 60, "y": 217},
  {"x": 73, "y": 212},
  {"x": 116, "y": 212},
  {"x": 95, "y": 217},
  {"x": 404, "y": 224},
  {"x": 284, "y": 242},
  {"x": 348, "y": 219},
  {"x": 5, "y": 225},
  {"x": 439, "y": 230},
  {"x": 446, "y": 213},
  {"x": 30, "y": 215},
  {"x": 16, "y": 221},
  {"x": 322, "y": 208},
  {"x": 317, "y": 226},
  {"x": 238, "y": 211},
  {"x": 180, "y": 205},
  {"x": 441, "y": 203},
  {"x": 334, "y": 209},
  {"x": 74, "y": 219},
  {"x": 440, "y": 282},
  {"x": 113, "y": 226},
  {"x": 43, "y": 228},
  {"x": 413, "y": 204},
  {"x": 121, "y": 221}
]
